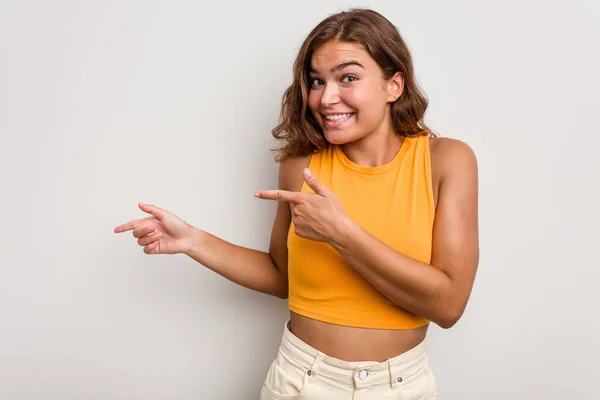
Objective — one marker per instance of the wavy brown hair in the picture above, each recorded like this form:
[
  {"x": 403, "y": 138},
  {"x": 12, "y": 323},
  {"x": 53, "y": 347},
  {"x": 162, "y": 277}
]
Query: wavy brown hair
[{"x": 298, "y": 131}]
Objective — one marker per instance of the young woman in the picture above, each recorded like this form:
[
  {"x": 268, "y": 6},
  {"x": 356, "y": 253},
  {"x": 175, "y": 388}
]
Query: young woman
[{"x": 376, "y": 231}]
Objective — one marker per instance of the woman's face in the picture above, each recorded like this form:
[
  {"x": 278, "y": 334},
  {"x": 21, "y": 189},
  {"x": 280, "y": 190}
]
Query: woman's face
[{"x": 348, "y": 96}]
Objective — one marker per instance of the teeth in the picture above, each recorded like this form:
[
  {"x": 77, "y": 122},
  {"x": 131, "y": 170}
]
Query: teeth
[{"x": 337, "y": 117}]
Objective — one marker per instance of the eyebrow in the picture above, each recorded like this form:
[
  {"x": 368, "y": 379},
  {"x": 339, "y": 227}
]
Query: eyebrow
[{"x": 339, "y": 66}]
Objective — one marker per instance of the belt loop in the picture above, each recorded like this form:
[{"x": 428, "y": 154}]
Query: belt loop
[
  {"x": 314, "y": 369},
  {"x": 393, "y": 382}
]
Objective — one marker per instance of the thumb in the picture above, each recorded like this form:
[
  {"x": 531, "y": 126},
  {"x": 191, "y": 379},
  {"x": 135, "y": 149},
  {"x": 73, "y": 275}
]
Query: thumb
[
  {"x": 150, "y": 209},
  {"x": 315, "y": 184}
]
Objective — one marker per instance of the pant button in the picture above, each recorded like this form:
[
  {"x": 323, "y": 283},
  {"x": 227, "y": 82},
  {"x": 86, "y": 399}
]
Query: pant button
[{"x": 363, "y": 374}]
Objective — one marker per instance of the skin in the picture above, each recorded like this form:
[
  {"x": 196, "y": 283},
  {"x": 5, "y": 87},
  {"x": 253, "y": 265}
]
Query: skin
[{"x": 438, "y": 291}]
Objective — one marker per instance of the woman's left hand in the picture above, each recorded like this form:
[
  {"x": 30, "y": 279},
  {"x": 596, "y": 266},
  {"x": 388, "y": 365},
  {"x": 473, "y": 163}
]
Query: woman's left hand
[{"x": 317, "y": 216}]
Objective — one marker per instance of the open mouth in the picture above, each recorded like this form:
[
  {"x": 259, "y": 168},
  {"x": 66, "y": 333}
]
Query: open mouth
[{"x": 337, "y": 119}]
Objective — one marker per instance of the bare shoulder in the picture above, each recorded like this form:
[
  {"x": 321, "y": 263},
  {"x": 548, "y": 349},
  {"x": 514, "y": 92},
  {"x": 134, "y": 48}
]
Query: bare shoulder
[
  {"x": 290, "y": 173},
  {"x": 449, "y": 156}
]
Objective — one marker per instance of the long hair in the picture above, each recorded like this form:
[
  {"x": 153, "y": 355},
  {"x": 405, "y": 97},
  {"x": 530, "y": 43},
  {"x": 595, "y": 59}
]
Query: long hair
[{"x": 298, "y": 131}]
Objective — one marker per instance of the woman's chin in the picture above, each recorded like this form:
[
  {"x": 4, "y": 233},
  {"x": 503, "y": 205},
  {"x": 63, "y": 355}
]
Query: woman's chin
[{"x": 337, "y": 137}]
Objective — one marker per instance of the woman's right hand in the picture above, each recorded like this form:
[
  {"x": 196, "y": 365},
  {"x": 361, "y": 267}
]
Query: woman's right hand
[{"x": 162, "y": 233}]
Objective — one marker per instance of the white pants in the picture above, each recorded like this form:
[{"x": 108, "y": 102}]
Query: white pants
[{"x": 301, "y": 372}]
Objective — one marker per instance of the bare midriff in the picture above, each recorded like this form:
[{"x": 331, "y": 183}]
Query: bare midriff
[{"x": 355, "y": 344}]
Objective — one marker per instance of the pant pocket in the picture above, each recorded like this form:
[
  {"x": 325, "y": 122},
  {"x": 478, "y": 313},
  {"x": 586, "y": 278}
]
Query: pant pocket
[{"x": 286, "y": 379}]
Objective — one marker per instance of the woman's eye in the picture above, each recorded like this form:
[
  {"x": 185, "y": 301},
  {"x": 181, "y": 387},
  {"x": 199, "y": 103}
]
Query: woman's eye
[
  {"x": 348, "y": 78},
  {"x": 315, "y": 82}
]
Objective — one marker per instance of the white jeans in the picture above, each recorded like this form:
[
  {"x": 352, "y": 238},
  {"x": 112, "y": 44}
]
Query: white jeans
[{"x": 301, "y": 372}]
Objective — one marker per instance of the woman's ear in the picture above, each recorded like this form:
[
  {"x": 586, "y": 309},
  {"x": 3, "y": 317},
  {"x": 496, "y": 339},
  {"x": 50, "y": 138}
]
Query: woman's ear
[{"x": 395, "y": 86}]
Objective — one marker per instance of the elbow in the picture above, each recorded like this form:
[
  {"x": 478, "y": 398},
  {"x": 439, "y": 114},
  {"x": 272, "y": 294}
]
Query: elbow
[
  {"x": 449, "y": 308},
  {"x": 282, "y": 296},
  {"x": 448, "y": 317},
  {"x": 447, "y": 321},
  {"x": 283, "y": 291}
]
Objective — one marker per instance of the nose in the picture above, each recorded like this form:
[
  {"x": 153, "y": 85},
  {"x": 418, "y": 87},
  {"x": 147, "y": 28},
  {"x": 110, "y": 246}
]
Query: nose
[{"x": 330, "y": 96}]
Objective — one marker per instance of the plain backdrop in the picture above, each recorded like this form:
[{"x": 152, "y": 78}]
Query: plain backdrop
[{"x": 109, "y": 103}]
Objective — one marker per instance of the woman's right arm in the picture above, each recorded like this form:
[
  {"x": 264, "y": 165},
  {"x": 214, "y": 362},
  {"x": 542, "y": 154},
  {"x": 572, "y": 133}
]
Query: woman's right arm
[
  {"x": 254, "y": 269},
  {"x": 166, "y": 233},
  {"x": 264, "y": 272}
]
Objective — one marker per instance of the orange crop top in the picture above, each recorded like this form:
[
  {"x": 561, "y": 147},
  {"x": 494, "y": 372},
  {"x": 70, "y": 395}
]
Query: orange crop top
[{"x": 393, "y": 202}]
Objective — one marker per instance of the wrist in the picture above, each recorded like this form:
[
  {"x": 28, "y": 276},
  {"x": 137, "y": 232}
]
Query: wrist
[
  {"x": 194, "y": 242},
  {"x": 342, "y": 236}
]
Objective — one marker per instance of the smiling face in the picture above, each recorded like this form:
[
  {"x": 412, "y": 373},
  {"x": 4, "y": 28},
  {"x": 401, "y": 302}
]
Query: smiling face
[{"x": 348, "y": 96}]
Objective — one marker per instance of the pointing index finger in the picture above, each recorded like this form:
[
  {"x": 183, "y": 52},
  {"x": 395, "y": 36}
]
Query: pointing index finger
[
  {"x": 126, "y": 227},
  {"x": 280, "y": 195}
]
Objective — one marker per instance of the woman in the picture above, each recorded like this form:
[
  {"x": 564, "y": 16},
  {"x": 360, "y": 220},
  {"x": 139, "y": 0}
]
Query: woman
[{"x": 376, "y": 230}]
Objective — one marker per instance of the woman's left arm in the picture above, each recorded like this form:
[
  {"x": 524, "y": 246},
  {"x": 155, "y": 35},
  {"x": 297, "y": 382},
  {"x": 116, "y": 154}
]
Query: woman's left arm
[{"x": 438, "y": 291}]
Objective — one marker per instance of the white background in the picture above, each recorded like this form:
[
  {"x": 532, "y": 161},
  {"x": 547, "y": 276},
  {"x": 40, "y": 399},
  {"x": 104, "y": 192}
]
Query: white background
[{"x": 109, "y": 103}]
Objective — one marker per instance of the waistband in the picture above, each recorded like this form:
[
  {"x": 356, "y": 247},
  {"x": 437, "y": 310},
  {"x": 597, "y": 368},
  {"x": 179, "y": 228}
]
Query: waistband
[{"x": 361, "y": 373}]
